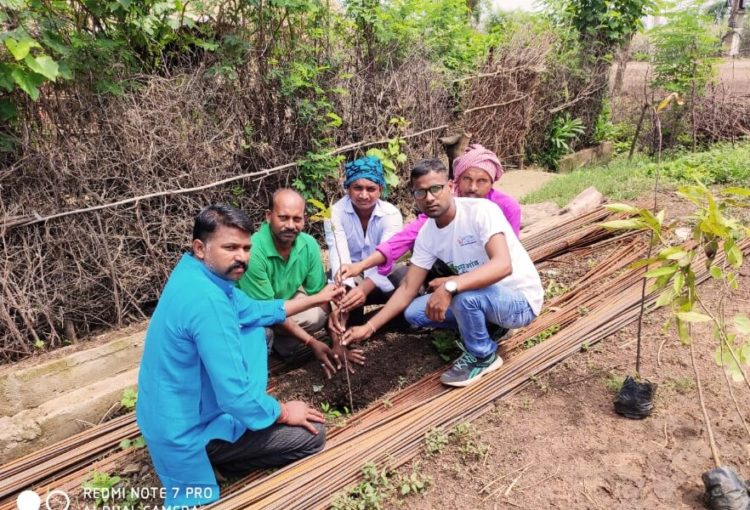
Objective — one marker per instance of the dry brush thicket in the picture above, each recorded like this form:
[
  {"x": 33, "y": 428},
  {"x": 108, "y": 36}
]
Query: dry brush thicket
[{"x": 68, "y": 277}]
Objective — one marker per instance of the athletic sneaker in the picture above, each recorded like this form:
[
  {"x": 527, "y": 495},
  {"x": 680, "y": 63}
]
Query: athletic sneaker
[{"x": 468, "y": 369}]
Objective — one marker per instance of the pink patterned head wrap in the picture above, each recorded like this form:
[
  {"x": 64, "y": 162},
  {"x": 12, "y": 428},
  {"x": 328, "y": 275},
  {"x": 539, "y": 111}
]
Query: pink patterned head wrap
[{"x": 476, "y": 156}]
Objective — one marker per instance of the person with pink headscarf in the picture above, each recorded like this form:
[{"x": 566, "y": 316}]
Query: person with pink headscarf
[{"x": 474, "y": 174}]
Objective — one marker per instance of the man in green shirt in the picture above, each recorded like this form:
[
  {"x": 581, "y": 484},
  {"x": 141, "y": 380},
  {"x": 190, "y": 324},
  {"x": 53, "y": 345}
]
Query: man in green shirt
[{"x": 285, "y": 263}]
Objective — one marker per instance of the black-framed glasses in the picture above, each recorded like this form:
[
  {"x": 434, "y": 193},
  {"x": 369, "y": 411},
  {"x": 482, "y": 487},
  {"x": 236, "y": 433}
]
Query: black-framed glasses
[{"x": 434, "y": 190}]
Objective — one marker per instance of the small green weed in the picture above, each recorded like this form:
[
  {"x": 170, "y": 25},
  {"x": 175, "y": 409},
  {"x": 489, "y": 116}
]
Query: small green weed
[
  {"x": 541, "y": 337},
  {"x": 138, "y": 442},
  {"x": 129, "y": 399},
  {"x": 682, "y": 385},
  {"x": 554, "y": 289},
  {"x": 445, "y": 341},
  {"x": 435, "y": 441},
  {"x": 333, "y": 415},
  {"x": 378, "y": 486},
  {"x": 613, "y": 382},
  {"x": 464, "y": 435},
  {"x": 101, "y": 485}
]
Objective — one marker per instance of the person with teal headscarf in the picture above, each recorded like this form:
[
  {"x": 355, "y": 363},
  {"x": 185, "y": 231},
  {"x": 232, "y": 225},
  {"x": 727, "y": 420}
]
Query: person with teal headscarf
[{"x": 359, "y": 222}]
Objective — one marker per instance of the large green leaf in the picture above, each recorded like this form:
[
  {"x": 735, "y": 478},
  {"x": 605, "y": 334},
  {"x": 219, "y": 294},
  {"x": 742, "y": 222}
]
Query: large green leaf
[
  {"x": 661, "y": 271},
  {"x": 20, "y": 48},
  {"x": 623, "y": 224},
  {"x": 43, "y": 65},
  {"x": 28, "y": 82},
  {"x": 624, "y": 208}
]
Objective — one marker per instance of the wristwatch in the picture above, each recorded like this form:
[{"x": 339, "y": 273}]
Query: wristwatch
[{"x": 451, "y": 286}]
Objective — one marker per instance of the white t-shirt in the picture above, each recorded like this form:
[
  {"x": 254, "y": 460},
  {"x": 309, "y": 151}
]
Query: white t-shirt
[{"x": 461, "y": 245}]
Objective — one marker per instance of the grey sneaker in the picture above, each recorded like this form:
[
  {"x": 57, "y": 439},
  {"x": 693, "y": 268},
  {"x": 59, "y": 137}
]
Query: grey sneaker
[{"x": 468, "y": 369}]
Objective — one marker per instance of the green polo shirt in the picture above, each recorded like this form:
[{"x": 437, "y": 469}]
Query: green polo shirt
[{"x": 269, "y": 276}]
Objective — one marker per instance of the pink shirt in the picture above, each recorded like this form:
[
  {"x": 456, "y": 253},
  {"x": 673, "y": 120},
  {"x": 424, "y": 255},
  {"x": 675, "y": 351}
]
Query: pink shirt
[{"x": 400, "y": 243}]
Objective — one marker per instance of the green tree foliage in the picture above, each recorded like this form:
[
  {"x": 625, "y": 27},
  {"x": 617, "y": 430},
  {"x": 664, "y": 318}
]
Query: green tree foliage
[
  {"x": 46, "y": 41},
  {"x": 604, "y": 25},
  {"x": 442, "y": 29},
  {"x": 685, "y": 52}
]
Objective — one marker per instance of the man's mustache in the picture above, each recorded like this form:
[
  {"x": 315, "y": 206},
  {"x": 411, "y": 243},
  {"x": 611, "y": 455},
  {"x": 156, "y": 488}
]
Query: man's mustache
[
  {"x": 289, "y": 231},
  {"x": 237, "y": 265}
]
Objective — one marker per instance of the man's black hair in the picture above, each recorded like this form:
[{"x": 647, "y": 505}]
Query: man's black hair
[
  {"x": 425, "y": 166},
  {"x": 213, "y": 216}
]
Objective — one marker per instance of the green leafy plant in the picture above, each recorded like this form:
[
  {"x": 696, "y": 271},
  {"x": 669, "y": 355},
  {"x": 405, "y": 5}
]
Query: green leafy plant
[
  {"x": 413, "y": 483},
  {"x": 541, "y": 337},
  {"x": 613, "y": 382},
  {"x": 674, "y": 275},
  {"x": 333, "y": 415},
  {"x": 129, "y": 399},
  {"x": 446, "y": 343},
  {"x": 554, "y": 289},
  {"x": 685, "y": 51},
  {"x": 392, "y": 157},
  {"x": 435, "y": 441},
  {"x": 371, "y": 493},
  {"x": 138, "y": 442},
  {"x": 562, "y": 132},
  {"x": 465, "y": 436},
  {"x": 101, "y": 485}
]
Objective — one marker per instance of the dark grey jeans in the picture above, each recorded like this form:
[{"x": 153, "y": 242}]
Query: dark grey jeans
[{"x": 274, "y": 446}]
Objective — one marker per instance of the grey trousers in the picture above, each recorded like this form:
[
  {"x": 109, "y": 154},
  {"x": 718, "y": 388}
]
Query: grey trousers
[{"x": 274, "y": 446}]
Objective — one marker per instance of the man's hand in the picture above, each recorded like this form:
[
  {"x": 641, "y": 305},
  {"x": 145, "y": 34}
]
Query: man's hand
[
  {"x": 328, "y": 359},
  {"x": 330, "y": 292},
  {"x": 438, "y": 282},
  {"x": 437, "y": 305},
  {"x": 337, "y": 321},
  {"x": 348, "y": 271},
  {"x": 353, "y": 356},
  {"x": 355, "y": 298},
  {"x": 299, "y": 414},
  {"x": 357, "y": 334}
]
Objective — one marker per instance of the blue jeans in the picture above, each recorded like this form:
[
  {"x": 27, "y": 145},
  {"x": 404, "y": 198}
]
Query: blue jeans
[{"x": 470, "y": 311}]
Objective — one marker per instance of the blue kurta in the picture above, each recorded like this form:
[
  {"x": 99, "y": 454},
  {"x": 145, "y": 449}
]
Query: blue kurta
[{"x": 203, "y": 376}]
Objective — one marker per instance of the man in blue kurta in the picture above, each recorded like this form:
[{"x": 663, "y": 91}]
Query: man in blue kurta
[{"x": 202, "y": 400}]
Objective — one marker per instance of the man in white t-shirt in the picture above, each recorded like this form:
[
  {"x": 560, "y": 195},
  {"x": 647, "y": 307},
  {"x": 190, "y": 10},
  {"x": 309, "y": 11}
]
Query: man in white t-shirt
[{"x": 495, "y": 281}]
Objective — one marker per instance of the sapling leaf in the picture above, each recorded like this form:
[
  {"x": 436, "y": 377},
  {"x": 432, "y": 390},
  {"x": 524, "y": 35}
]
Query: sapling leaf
[
  {"x": 661, "y": 271},
  {"x": 742, "y": 323},
  {"x": 693, "y": 317},
  {"x": 624, "y": 208}
]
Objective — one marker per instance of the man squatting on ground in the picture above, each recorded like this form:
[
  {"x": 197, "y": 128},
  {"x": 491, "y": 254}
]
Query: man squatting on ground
[
  {"x": 496, "y": 280},
  {"x": 202, "y": 399},
  {"x": 475, "y": 172},
  {"x": 286, "y": 264},
  {"x": 360, "y": 221}
]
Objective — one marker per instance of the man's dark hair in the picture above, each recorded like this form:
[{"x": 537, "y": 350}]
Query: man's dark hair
[
  {"x": 213, "y": 216},
  {"x": 425, "y": 166}
]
